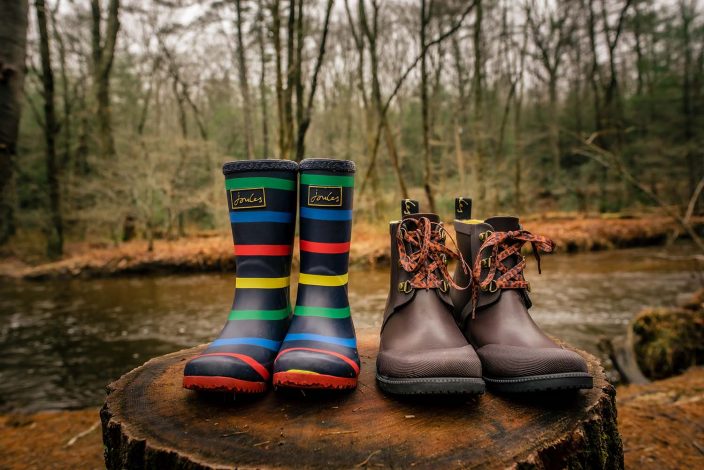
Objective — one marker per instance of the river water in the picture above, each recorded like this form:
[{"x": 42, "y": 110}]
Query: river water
[{"x": 61, "y": 342}]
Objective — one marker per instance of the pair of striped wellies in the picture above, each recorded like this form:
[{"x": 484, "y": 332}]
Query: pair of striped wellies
[{"x": 261, "y": 341}]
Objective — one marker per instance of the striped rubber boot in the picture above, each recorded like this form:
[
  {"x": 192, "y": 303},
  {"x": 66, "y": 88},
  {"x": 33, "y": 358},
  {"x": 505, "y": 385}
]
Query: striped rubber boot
[
  {"x": 261, "y": 196},
  {"x": 320, "y": 349}
]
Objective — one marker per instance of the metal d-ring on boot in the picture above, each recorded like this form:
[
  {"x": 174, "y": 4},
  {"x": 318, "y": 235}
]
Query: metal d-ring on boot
[
  {"x": 422, "y": 351},
  {"x": 320, "y": 349},
  {"x": 516, "y": 355},
  {"x": 261, "y": 197}
]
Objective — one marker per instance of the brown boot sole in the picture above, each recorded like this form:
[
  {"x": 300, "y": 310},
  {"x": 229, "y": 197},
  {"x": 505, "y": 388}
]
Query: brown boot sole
[{"x": 431, "y": 385}]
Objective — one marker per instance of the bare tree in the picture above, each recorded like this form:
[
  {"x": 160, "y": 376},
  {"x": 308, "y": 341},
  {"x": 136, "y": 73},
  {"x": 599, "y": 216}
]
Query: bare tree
[
  {"x": 244, "y": 85},
  {"x": 263, "y": 92},
  {"x": 275, "y": 9},
  {"x": 13, "y": 49},
  {"x": 425, "y": 15},
  {"x": 478, "y": 89},
  {"x": 55, "y": 238}
]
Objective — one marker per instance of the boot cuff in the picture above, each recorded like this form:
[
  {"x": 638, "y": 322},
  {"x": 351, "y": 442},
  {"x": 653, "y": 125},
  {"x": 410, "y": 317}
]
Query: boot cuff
[
  {"x": 258, "y": 165},
  {"x": 328, "y": 164}
]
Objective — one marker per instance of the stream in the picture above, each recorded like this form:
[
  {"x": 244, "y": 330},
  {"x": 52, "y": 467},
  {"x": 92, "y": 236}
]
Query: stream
[{"x": 62, "y": 341}]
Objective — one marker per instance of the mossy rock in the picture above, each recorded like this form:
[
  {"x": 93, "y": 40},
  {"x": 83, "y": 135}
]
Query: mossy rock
[{"x": 667, "y": 341}]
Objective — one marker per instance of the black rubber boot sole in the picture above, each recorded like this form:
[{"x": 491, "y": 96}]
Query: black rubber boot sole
[
  {"x": 542, "y": 383},
  {"x": 431, "y": 385}
]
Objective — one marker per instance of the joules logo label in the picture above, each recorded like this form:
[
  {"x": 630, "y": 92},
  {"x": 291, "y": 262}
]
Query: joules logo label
[
  {"x": 325, "y": 196},
  {"x": 247, "y": 198}
]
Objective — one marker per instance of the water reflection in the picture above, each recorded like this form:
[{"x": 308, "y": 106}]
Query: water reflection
[{"x": 61, "y": 342}]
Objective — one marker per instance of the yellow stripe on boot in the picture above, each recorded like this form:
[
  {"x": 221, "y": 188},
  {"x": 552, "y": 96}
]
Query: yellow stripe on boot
[
  {"x": 320, "y": 280},
  {"x": 262, "y": 282}
]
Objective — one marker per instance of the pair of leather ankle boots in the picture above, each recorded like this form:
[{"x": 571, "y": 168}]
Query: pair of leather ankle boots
[
  {"x": 263, "y": 341},
  {"x": 458, "y": 334}
]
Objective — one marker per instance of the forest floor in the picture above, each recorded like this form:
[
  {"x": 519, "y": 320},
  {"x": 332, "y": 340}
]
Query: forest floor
[
  {"x": 370, "y": 247},
  {"x": 660, "y": 425}
]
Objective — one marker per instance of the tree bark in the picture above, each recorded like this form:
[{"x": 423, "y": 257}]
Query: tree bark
[
  {"x": 55, "y": 238},
  {"x": 103, "y": 55},
  {"x": 244, "y": 85},
  {"x": 275, "y": 8},
  {"x": 477, "y": 84},
  {"x": 290, "y": 79},
  {"x": 13, "y": 50},
  {"x": 425, "y": 15},
  {"x": 262, "y": 81},
  {"x": 298, "y": 81}
]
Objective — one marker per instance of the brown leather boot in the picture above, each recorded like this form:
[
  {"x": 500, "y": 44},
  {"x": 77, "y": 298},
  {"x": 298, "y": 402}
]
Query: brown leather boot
[
  {"x": 516, "y": 355},
  {"x": 422, "y": 351}
]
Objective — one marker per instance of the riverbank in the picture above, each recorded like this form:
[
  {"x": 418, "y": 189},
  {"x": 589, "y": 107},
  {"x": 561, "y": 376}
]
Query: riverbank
[
  {"x": 660, "y": 425},
  {"x": 369, "y": 248}
]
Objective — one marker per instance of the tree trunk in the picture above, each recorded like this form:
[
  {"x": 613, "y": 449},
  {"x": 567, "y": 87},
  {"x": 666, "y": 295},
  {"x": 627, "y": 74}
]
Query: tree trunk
[
  {"x": 554, "y": 131},
  {"x": 298, "y": 80},
  {"x": 427, "y": 163},
  {"x": 518, "y": 156},
  {"x": 394, "y": 157},
  {"x": 244, "y": 86},
  {"x": 262, "y": 81},
  {"x": 280, "y": 113},
  {"x": 147, "y": 410},
  {"x": 460, "y": 111},
  {"x": 103, "y": 55},
  {"x": 290, "y": 80},
  {"x": 13, "y": 49},
  {"x": 478, "y": 104},
  {"x": 55, "y": 238}
]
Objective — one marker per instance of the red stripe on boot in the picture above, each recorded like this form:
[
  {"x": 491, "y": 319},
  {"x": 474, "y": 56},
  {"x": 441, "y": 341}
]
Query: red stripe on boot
[
  {"x": 262, "y": 250},
  {"x": 349, "y": 361},
  {"x": 260, "y": 369},
  {"x": 327, "y": 248}
]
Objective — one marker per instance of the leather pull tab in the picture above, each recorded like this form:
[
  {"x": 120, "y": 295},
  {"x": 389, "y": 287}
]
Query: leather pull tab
[
  {"x": 463, "y": 208},
  {"x": 409, "y": 206}
]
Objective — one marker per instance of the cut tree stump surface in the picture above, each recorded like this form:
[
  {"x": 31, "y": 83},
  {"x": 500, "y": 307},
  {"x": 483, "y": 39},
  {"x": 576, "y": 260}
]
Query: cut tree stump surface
[{"x": 150, "y": 421}]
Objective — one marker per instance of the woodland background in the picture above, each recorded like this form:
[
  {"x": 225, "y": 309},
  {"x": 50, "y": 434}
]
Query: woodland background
[{"x": 116, "y": 116}]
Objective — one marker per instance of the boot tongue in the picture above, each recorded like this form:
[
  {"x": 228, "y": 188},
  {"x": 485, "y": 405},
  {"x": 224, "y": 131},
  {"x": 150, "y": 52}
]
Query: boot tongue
[
  {"x": 429, "y": 216},
  {"x": 504, "y": 223}
]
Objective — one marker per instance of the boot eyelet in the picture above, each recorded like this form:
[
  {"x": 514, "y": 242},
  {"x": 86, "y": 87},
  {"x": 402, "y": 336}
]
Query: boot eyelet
[
  {"x": 444, "y": 286},
  {"x": 485, "y": 262},
  {"x": 484, "y": 235},
  {"x": 491, "y": 288},
  {"x": 405, "y": 287}
]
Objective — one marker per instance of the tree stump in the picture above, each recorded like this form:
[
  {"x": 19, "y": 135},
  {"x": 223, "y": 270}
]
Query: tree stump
[{"x": 150, "y": 421}]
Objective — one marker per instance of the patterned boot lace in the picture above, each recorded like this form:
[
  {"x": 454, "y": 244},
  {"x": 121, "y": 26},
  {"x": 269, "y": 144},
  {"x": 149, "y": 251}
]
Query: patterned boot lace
[
  {"x": 504, "y": 245},
  {"x": 422, "y": 252}
]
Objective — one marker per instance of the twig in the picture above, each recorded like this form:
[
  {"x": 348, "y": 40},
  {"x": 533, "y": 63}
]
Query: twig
[
  {"x": 699, "y": 447},
  {"x": 81, "y": 434},
  {"x": 366, "y": 461},
  {"x": 261, "y": 443},
  {"x": 693, "y": 200},
  {"x": 339, "y": 432},
  {"x": 234, "y": 433}
]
